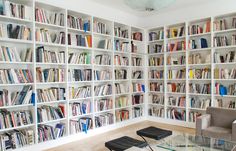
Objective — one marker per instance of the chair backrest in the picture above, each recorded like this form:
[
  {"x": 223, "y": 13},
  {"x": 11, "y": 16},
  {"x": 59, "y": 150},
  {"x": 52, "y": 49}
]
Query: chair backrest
[{"x": 221, "y": 117}]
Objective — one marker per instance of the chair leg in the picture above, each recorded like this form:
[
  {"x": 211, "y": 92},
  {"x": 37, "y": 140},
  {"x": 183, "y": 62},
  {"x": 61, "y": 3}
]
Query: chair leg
[{"x": 147, "y": 143}]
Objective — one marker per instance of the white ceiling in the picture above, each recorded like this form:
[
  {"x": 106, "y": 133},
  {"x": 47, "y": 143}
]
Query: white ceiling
[{"x": 179, "y": 4}]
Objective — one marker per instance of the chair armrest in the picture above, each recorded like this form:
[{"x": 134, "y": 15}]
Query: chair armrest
[
  {"x": 202, "y": 122},
  {"x": 234, "y": 131}
]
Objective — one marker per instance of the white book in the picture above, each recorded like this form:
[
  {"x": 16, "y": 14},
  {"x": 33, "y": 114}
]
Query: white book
[{"x": 27, "y": 97}]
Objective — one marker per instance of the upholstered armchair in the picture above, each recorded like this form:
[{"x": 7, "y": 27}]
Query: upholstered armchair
[{"x": 217, "y": 123}]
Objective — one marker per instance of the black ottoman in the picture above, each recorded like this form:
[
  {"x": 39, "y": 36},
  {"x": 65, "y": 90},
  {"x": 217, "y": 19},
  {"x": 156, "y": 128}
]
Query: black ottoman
[
  {"x": 154, "y": 133},
  {"x": 124, "y": 143}
]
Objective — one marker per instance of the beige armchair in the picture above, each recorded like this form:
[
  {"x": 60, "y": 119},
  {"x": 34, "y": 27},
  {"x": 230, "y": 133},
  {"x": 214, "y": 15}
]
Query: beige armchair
[{"x": 217, "y": 123}]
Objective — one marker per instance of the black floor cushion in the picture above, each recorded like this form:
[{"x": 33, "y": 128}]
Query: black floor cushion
[
  {"x": 124, "y": 143},
  {"x": 154, "y": 133}
]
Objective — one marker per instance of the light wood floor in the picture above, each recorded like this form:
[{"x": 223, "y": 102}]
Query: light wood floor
[{"x": 96, "y": 143}]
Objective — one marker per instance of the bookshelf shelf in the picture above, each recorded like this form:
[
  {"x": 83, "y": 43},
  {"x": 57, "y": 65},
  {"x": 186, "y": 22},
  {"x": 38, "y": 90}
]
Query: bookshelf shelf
[
  {"x": 102, "y": 35},
  {"x": 199, "y": 50},
  {"x": 49, "y": 26},
  {"x": 16, "y": 106},
  {"x": 16, "y": 41},
  {"x": 225, "y": 96},
  {"x": 121, "y": 38},
  {"x": 82, "y": 115},
  {"x": 198, "y": 109},
  {"x": 176, "y": 52},
  {"x": 18, "y": 84},
  {"x": 156, "y": 41},
  {"x": 225, "y": 80},
  {"x": 19, "y": 127},
  {"x": 52, "y": 102},
  {"x": 50, "y": 44},
  {"x": 124, "y": 107},
  {"x": 14, "y": 63},
  {"x": 176, "y": 38},
  {"x": 15, "y": 19},
  {"x": 104, "y": 96},
  {"x": 198, "y": 94},
  {"x": 79, "y": 47},
  {"x": 105, "y": 111},
  {"x": 80, "y": 99},
  {"x": 225, "y": 31},
  {"x": 53, "y": 121},
  {"x": 50, "y": 83},
  {"x": 78, "y": 30},
  {"x": 121, "y": 94},
  {"x": 225, "y": 47},
  {"x": 50, "y": 64},
  {"x": 200, "y": 35}
]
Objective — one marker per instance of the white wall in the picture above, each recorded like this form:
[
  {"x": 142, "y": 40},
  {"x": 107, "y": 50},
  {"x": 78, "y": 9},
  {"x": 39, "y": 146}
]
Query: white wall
[
  {"x": 207, "y": 9},
  {"x": 96, "y": 9}
]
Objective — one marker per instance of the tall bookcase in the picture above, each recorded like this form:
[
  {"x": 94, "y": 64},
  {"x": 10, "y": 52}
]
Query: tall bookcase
[
  {"x": 201, "y": 53},
  {"x": 119, "y": 105}
]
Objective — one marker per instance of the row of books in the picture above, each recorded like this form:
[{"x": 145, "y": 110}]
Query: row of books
[
  {"x": 200, "y": 73},
  {"x": 48, "y": 113},
  {"x": 137, "y": 99},
  {"x": 137, "y": 74},
  {"x": 198, "y": 58},
  {"x": 12, "y": 9},
  {"x": 122, "y": 115},
  {"x": 15, "y": 31},
  {"x": 220, "y": 41},
  {"x": 156, "y": 61},
  {"x": 177, "y": 101},
  {"x": 103, "y": 90},
  {"x": 122, "y": 101},
  {"x": 193, "y": 116},
  {"x": 222, "y": 24},
  {"x": 49, "y": 17},
  {"x": 16, "y": 139},
  {"x": 175, "y": 32},
  {"x": 49, "y": 56},
  {"x": 103, "y": 105},
  {"x": 136, "y": 61},
  {"x": 9, "y": 98},
  {"x": 224, "y": 73},
  {"x": 51, "y": 94},
  {"x": 100, "y": 27},
  {"x": 222, "y": 90},
  {"x": 50, "y": 132},
  {"x": 81, "y": 125},
  {"x": 15, "y": 76},
  {"x": 176, "y": 87},
  {"x": 198, "y": 44},
  {"x": 137, "y": 112},
  {"x": 231, "y": 104},
  {"x": 105, "y": 44},
  {"x": 157, "y": 87},
  {"x": 200, "y": 103},
  {"x": 121, "y": 88},
  {"x": 138, "y": 87},
  {"x": 80, "y": 92},
  {"x": 78, "y": 23},
  {"x": 156, "y": 111},
  {"x": 176, "y": 74},
  {"x": 137, "y": 36},
  {"x": 50, "y": 75},
  {"x": 104, "y": 119},
  {"x": 13, "y": 54},
  {"x": 176, "y": 114},
  {"x": 200, "y": 29},
  {"x": 80, "y": 75},
  {"x": 121, "y": 60},
  {"x": 79, "y": 40},
  {"x": 159, "y": 35},
  {"x": 80, "y": 108},
  {"x": 103, "y": 59},
  {"x": 176, "y": 46},
  {"x": 120, "y": 74},
  {"x": 80, "y": 58},
  {"x": 225, "y": 58},
  {"x": 121, "y": 46},
  {"x": 12, "y": 119},
  {"x": 200, "y": 88},
  {"x": 156, "y": 99},
  {"x": 176, "y": 60},
  {"x": 155, "y": 48},
  {"x": 102, "y": 75},
  {"x": 156, "y": 74},
  {"x": 119, "y": 32},
  {"x": 49, "y": 36}
]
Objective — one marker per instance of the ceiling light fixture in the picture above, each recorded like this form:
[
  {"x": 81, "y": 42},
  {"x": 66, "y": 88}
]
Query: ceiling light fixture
[{"x": 148, "y": 5}]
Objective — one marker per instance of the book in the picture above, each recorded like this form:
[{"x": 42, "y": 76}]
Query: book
[
  {"x": 121, "y": 32},
  {"x": 137, "y": 99},
  {"x": 156, "y": 61},
  {"x": 79, "y": 40},
  {"x": 155, "y": 48},
  {"x": 220, "y": 25},
  {"x": 176, "y": 74},
  {"x": 137, "y": 36},
  {"x": 121, "y": 88},
  {"x": 100, "y": 27},
  {"x": 105, "y": 44},
  {"x": 176, "y": 60},
  {"x": 83, "y": 124},
  {"x": 120, "y": 74},
  {"x": 200, "y": 88},
  {"x": 80, "y": 58},
  {"x": 137, "y": 74},
  {"x": 138, "y": 87},
  {"x": 103, "y": 59},
  {"x": 200, "y": 28},
  {"x": 80, "y": 108},
  {"x": 13, "y": 54},
  {"x": 49, "y": 17},
  {"x": 79, "y": 75},
  {"x": 80, "y": 92},
  {"x": 224, "y": 73},
  {"x": 176, "y": 46},
  {"x": 121, "y": 101},
  {"x": 156, "y": 111},
  {"x": 175, "y": 32},
  {"x": 156, "y": 74},
  {"x": 199, "y": 103},
  {"x": 200, "y": 73},
  {"x": 121, "y": 46},
  {"x": 156, "y": 35},
  {"x": 137, "y": 112},
  {"x": 136, "y": 61},
  {"x": 157, "y": 87},
  {"x": 156, "y": 99},
  {"x": 224, "y": 58},
  {"x": 103, "y": 90},
  {"x": 176, "y": 87},
  {"x": 15, "y": 76},
  {"x": 193, "y": 116},
  {"x": 122, "y": 115},
  {"x": 121, "y": 60},
  {"x": 176, "y": 114}
]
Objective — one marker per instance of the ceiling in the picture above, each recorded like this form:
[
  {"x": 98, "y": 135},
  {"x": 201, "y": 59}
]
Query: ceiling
[{"x": 179, "y": 4}]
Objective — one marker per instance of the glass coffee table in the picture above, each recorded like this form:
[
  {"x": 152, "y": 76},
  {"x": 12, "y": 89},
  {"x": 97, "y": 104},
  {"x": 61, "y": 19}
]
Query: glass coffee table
[{"x": 193, "y": 143}]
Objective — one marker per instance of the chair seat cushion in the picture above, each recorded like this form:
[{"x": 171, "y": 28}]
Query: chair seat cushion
[
  {"x": 124, "y": 143},
  {"x": 154, "y": 133},
  {"x": 217, "y": 132}
]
